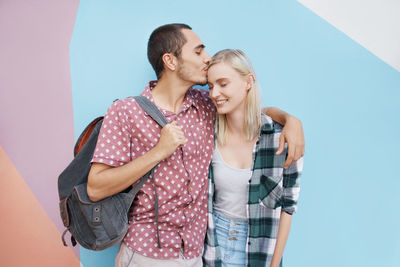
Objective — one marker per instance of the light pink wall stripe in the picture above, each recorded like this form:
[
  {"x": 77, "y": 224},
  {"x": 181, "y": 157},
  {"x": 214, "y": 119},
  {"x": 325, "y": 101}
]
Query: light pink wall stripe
[{"x": 36, "y": 120}]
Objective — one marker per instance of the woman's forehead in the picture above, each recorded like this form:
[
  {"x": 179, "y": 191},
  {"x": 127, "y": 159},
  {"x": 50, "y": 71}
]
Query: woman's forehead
[{"x": 221, "y": 70}]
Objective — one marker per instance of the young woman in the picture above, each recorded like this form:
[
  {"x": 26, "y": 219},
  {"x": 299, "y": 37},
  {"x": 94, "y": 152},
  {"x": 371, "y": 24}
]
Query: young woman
[{"x": 251, "y": 196}]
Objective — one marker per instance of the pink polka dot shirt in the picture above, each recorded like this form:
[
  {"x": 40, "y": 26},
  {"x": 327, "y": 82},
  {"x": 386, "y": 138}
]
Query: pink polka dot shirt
[{"x": 181, "y": 180}]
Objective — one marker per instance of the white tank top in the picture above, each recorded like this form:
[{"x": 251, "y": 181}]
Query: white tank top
[{"x": 230, "y": 195}]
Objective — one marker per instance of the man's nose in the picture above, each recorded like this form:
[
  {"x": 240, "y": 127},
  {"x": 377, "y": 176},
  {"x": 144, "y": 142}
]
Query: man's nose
[{"x": 207, "y": 58}]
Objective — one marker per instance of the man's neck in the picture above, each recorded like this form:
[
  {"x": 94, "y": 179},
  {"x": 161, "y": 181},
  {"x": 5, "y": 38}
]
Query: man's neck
[{"x": 170, "y": 93}]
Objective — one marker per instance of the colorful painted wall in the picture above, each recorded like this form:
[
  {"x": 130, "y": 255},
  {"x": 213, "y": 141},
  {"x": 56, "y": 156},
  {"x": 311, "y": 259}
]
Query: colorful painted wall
[
  {"x": 334, "y": 64},
  {"x": 36, "y": 129}
]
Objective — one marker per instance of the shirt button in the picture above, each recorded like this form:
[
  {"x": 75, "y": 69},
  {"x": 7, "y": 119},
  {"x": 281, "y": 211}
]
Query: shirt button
[{"x": 190, "y": 189}]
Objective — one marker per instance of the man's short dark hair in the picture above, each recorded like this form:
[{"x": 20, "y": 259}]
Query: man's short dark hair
[{"x": 165, "y": 39}]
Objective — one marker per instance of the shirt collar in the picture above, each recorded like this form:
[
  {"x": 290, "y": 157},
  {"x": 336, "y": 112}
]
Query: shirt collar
[
  {"x": 147, "y": 90},
  {"x": 188, "y": 101},
  {"x": 267, "y": 124}
]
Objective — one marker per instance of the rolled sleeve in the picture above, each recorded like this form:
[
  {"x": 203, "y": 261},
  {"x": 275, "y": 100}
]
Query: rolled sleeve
[
  {"x": 291, "y": 186},
  {"x": 113, "y": 144}
]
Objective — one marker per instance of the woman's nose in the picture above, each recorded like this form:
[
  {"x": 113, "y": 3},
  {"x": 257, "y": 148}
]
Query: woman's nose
[{"x": 214, "y": 93}]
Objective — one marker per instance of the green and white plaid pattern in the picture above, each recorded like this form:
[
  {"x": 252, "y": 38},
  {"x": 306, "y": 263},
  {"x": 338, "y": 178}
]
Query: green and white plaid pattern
[{"x": 271, "y": 189}]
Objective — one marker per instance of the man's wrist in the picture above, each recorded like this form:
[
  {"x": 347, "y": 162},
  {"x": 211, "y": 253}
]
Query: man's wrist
[
  {"x": 289, "y": 118},
  {"x": 159, "y": 154}
]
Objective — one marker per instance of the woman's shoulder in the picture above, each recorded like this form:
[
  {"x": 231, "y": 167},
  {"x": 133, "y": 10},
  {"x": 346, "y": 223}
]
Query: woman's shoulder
[{"x": 269, "y": 126}]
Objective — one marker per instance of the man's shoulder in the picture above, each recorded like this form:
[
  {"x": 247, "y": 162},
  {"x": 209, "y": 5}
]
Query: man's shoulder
[{"x": 124, "y": 104}]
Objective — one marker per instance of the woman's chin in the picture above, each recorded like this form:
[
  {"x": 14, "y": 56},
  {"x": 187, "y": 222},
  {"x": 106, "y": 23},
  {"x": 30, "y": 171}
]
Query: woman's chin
[{"x": 221, "y": 111}]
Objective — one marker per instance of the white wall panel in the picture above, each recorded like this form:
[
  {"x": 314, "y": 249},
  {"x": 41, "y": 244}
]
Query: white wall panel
[{"x": 375, "y": 24}]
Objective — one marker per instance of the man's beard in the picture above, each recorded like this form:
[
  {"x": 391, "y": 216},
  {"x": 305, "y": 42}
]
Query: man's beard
[{"x": 187, "y": 75}]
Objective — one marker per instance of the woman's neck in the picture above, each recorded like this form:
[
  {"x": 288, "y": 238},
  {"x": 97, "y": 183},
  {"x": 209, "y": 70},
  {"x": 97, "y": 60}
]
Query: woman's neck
[{"x": 235, "y": 123}]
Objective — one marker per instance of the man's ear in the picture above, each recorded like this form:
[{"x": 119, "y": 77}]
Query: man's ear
[
  {"x": 250, "y": 80},
  {"x": 170, "y": 61}
]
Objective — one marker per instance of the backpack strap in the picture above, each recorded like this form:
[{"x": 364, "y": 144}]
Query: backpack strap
[
  {"x": 156, "y": 115},
  {"x": 151, "y": 109}
]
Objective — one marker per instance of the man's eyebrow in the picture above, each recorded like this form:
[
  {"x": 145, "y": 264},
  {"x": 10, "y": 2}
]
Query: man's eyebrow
[{"x": 200, "y": 46}]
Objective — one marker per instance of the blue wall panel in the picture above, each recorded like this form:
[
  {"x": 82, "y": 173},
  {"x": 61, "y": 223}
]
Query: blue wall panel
[{"x": 346, "y": 97}]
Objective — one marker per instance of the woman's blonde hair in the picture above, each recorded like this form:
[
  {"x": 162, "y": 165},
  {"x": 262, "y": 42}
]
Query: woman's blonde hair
[{"x": 252, "y": 122}]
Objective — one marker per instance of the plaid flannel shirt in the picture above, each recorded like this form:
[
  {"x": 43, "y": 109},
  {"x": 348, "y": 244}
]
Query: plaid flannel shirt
[{"x": 271, "y": 189}]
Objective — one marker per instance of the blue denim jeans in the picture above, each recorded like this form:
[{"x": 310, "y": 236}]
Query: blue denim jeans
[{"x": 232, "y": 238}]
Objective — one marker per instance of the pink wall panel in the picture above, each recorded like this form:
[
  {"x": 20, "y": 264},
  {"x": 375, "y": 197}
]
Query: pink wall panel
[
  {"x": 36, "y": 119},
  {"x": 28, "y": 236}
]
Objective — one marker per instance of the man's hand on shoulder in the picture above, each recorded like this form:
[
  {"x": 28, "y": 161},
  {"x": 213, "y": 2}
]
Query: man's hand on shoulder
[{"x": 293, "y": 135}]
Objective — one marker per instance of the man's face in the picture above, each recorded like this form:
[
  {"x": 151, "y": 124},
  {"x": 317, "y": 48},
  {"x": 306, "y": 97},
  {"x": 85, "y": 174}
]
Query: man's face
[{"x": 193, "y": 61}]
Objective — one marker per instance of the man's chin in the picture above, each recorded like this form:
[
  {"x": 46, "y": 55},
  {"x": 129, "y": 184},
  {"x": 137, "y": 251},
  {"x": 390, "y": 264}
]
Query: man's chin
[
  {"x": 202, "y": 82},
  {"x": 198, "y": 81}
]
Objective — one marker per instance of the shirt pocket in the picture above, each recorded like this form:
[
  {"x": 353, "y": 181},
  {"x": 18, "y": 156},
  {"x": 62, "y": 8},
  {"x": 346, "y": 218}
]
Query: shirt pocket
[{"x": 270, "y": 191}]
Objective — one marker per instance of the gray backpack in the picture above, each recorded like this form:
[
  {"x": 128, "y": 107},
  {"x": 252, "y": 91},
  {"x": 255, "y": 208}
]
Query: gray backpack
[{"x": 102, "y": 224}]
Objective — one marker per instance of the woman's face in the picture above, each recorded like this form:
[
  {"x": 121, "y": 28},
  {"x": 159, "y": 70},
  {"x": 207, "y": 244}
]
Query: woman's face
[{"x": 228, "y": 89}]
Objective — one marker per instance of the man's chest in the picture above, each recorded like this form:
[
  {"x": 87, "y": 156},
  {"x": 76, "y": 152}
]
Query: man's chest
[{"x": 196, "y": 126}]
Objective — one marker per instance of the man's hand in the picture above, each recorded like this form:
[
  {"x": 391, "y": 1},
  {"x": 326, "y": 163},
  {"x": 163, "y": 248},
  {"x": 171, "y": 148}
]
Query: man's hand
[
  {"x": 293, "y": 135},
  {"x": 171, "y": 138},
  {"x": 105, "y": 180}
]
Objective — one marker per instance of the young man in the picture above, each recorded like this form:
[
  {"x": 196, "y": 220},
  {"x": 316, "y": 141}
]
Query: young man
[{"x": 130, "y": 144}]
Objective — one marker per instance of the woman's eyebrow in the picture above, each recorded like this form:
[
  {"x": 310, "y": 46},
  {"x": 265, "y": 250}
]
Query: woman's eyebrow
[{"x": 221, "y": 80}]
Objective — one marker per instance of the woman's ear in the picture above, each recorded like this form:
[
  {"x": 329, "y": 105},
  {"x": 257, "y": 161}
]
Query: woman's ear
[
  {"x": 250, "y": 81},
  {"x": 170, "y": 61}
]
